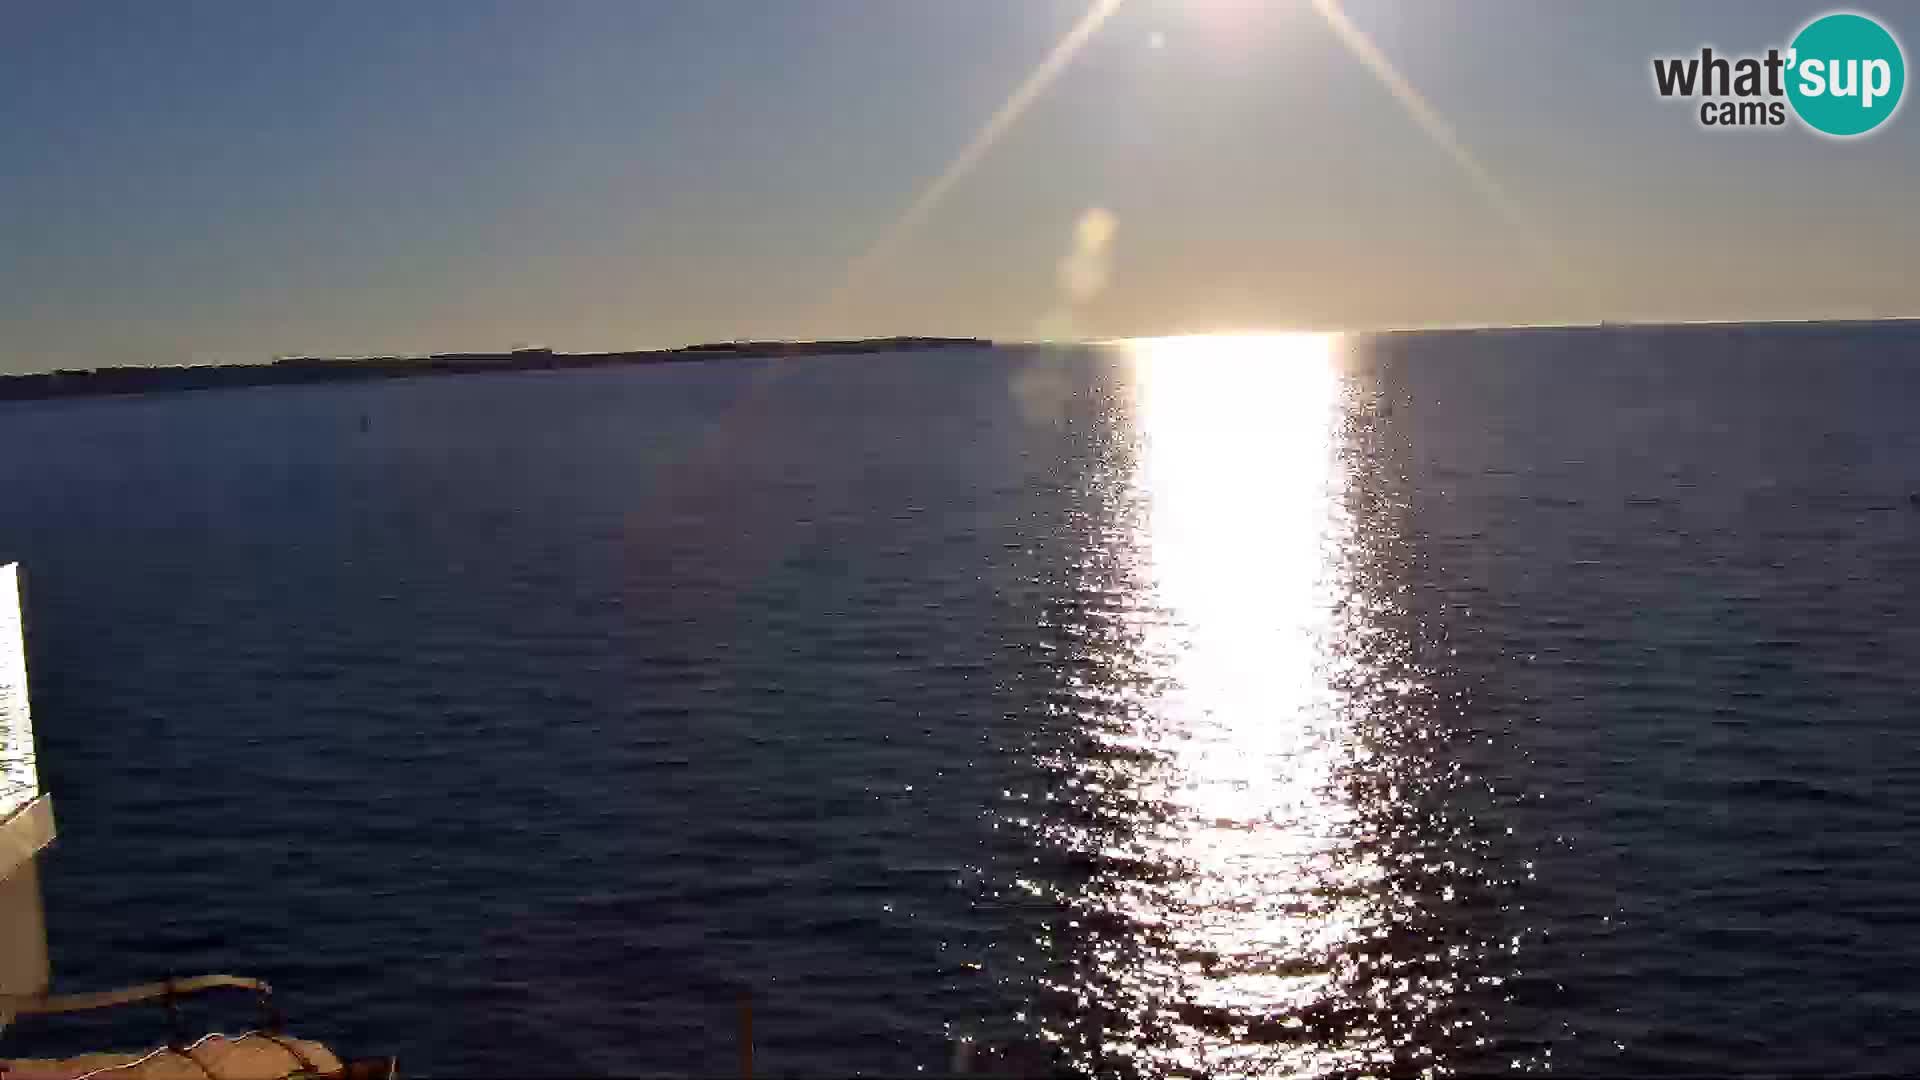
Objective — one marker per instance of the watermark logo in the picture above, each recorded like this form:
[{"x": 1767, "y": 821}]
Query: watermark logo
[
  {"x": 1851, "y": 74},
  {"x": 1842, "y": 75}
]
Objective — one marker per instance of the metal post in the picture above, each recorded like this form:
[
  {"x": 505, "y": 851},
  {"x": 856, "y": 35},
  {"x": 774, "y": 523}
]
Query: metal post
[{"x": 746, "y": 1035}]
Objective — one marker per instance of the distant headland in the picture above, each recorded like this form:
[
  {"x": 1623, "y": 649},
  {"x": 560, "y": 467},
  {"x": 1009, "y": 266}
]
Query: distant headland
[{"x": 303, "y": 369}]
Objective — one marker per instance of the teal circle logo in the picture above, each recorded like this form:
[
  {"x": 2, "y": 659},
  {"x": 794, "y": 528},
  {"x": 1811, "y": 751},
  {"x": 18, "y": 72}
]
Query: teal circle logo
[{"x": 1845, "y": 74}]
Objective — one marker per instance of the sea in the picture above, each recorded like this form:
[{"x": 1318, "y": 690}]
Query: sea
[{"x": 1538, "y": 700}]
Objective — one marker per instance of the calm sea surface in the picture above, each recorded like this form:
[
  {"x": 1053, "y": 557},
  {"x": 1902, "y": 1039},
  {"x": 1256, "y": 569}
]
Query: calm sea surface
[{"x": 1298, "y": 706}]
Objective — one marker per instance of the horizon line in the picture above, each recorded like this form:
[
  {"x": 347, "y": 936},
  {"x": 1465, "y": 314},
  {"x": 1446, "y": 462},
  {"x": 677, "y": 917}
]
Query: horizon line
[{"x": 1357, "y": 331}]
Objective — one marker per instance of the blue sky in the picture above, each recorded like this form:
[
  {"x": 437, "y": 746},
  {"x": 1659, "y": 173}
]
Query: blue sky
[{"x": 220, "y": 182}]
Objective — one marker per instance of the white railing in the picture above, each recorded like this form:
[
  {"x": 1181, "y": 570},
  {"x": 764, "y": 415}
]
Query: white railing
[{"x": 26, "y": 817}]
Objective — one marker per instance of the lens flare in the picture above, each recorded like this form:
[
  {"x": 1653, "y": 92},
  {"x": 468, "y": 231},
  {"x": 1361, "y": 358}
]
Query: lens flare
[{"x": 970, "y": 155}]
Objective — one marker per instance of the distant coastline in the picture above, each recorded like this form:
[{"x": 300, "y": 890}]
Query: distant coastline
[
  {"x": 97, "y": 382},
  {"x": 112, "y": 381}
]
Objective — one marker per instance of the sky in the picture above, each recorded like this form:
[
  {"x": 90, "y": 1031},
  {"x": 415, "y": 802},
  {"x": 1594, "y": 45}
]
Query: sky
[{"x": 227, "y": 182}]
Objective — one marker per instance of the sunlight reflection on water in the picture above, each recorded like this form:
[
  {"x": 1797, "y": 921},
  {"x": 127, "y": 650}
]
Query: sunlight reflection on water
[{"x": 1267, "y": 844}]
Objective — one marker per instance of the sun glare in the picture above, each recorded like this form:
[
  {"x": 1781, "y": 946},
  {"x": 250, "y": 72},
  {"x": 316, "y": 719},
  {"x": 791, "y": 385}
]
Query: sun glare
[
  {"x": 1238, "y": 472},
  {"x": 1236, "y": 466}
]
